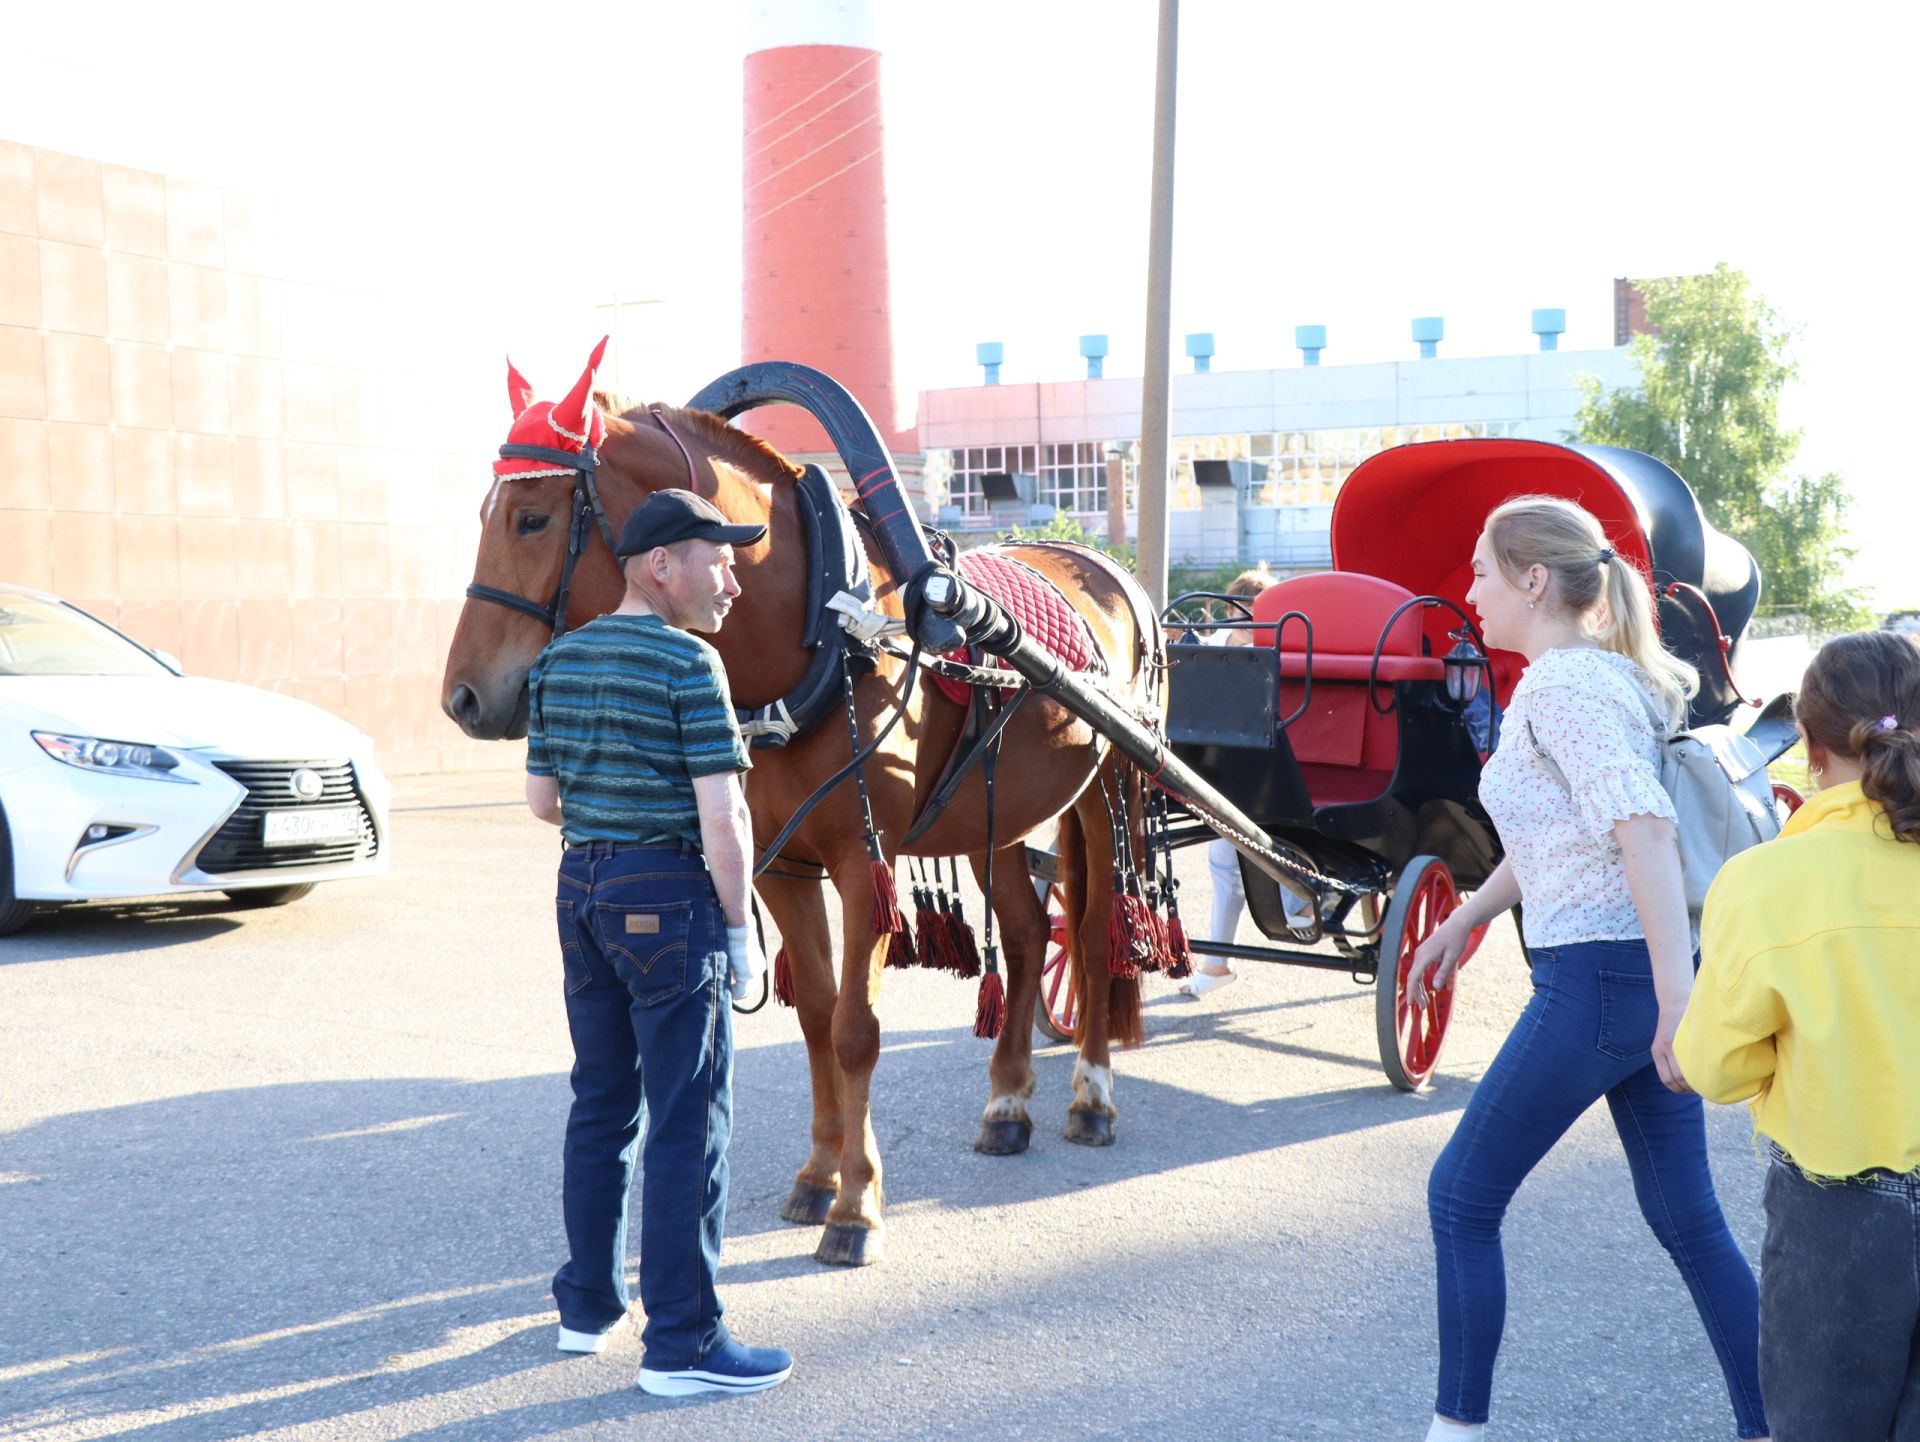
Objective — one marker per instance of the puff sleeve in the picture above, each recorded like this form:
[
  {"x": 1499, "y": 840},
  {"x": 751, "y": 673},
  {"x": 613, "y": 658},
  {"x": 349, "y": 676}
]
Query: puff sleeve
[{"x": 1590, "y": 737}]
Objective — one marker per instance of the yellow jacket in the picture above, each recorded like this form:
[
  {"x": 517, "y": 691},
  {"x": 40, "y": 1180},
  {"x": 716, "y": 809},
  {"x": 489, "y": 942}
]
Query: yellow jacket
[{"x": 1808, "y": 999}]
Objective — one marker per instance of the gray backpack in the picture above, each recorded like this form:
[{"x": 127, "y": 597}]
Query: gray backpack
[{"x": 1721, "y": 793}]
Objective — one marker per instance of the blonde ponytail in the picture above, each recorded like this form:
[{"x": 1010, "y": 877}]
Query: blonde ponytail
[{"x": 1602, "y": 590}]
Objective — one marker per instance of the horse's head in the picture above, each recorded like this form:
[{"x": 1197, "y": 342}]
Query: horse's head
[
  {"x": 535, "y": 514},
  {"x": 546, "y": 552}
]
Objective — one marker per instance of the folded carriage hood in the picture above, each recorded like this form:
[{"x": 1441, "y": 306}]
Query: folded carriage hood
[{"x": 179, "y": 712}]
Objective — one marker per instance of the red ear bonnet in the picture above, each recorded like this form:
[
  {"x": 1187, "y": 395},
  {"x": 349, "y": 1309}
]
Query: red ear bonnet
[{"x": 570, "y": 425}]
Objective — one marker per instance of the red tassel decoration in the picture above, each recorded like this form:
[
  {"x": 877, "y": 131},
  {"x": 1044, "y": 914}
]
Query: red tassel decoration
[
  {"x": 966, "y": 950},
  {"x": 928, "y": 925},
  {"x": 782, "y": 978},
  {"x": 1181, "y": 954},
  {"x": 990, "y": 1012},
  {"x": 1120, "y": 942},
  {"x": 886, "y": 901},
  {"x": 900, "y": 948}
]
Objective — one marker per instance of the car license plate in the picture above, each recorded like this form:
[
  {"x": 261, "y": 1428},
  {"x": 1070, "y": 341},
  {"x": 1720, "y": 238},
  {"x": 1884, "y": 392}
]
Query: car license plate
[{"x": 296, "y": 828}]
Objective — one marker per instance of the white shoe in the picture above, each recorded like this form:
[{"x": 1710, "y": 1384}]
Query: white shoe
[
  {"x": 586, "y": 1343},
  {"x": 1199, "y": 983}
]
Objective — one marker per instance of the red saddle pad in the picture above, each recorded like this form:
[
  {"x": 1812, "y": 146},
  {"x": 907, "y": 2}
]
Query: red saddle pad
[{"x": 1040, "y": 608}]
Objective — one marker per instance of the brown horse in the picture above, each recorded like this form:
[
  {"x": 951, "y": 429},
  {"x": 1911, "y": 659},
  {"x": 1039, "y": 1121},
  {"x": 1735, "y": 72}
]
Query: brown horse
[{"x": 1048, "y": 757}]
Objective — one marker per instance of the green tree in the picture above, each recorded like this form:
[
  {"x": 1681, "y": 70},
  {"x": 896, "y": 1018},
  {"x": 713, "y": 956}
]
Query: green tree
[{"x": 1708, "y": 404}]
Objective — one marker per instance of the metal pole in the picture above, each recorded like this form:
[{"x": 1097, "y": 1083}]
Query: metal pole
[{"x": 1155, "y": 406}]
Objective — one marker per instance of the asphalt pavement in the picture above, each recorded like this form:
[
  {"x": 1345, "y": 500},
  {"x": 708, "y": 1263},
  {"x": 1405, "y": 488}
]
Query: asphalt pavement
[{"x": 295, "y": 1174}]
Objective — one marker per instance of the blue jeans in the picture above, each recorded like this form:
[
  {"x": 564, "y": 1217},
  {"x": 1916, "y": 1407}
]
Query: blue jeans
[
  {"x": 643, "y": 948},
  {"x": 1840, "y": 1306},
  {"x": 1585, "y": 1034}
]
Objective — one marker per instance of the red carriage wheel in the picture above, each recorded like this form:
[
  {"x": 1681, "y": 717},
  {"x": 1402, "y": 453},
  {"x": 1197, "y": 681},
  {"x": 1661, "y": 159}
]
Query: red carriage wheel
[
  {"x": 1410, "y": 1038},
  {"x": 1056, "y": 1010},
  {"x": 1786, "y": 799}
]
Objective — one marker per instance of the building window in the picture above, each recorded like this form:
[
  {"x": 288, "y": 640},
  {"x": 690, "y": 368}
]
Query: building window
[
  {"x": 964, "y": 490},
  {"x": 1073, "y": 478}
]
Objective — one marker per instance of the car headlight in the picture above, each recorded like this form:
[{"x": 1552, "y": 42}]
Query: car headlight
[{"x": 112, "y": 758}]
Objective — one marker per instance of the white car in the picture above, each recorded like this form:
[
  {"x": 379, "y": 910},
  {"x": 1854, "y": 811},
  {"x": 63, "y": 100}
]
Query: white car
[{"x": 120, "y": 777}]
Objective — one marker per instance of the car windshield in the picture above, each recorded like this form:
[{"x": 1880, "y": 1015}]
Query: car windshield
[{"x": 51, "y": 638}]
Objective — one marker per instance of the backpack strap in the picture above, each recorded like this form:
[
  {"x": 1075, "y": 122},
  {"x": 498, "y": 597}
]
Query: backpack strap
[{"x": 1662, "y": 733}]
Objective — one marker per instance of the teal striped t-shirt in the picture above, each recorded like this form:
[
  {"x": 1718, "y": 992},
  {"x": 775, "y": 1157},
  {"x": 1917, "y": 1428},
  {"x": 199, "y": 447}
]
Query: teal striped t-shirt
[{"x": 625, "y": 712}]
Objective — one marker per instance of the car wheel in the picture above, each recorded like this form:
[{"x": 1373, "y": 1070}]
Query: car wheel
[
  {"x": 270, "y": 895},
  {"x": 14, "y": 913}
]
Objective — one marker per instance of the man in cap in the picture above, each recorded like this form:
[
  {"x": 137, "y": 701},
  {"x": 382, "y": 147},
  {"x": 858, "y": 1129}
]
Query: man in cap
[{"x": 633, "y": 751}]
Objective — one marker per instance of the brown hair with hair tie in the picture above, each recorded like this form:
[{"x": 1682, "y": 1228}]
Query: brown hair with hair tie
[{"x": 1851, "y": 702}]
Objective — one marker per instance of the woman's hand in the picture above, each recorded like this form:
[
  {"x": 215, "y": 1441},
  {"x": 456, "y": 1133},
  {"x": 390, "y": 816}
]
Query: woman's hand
[
  {"x": 1437, "y": 959},
  {"x": 1664, "y": 1060}
]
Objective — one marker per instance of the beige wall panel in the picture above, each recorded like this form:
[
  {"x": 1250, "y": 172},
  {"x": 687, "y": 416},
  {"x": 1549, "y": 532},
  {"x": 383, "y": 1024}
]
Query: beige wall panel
[
  {"x": 138, "y": 307},
  {"x": 84, "y": 561},
  {"x": 259, "y": 478},
  {"x": 141, "y": 384},
  {"x": 195, "y": 223},
  {"x": 218, "y": 431},
  {"x": 80, "y": 470},
  {"x": 26, "y": 548},
  {"x": 209, "y": 633},
  {"x": 210, "y": 557},
  {"x": 67, "y": 189},
  {"x": 23, "y": 373},
  {"x": 73, "y": 288},
  {"x": 154, "y": 624},
  {"x": 19, "y": 281},
  {"x": 149, "y": 558},
  {"x": 136, "y": 210},
  {"x": 203, "y": 474},
  {"x": 23, "y": 466},
  {"x": 79, "y": 385},
  {"x": 19, "y": 210},
  {"x": 142, "y": 471},
  {"x": 202, "y": 391}
]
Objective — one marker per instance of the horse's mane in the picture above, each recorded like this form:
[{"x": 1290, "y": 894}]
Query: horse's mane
[{"x": 725, "y": 441}]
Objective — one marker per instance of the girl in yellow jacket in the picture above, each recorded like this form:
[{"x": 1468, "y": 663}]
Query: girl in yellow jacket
[{"x": 1808, "y": 1002}]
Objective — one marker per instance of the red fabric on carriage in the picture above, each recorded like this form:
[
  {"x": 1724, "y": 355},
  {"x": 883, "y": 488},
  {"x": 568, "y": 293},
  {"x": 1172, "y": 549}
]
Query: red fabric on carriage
[
  {"x": 1347, "y": 751},
  {"x": 1039, "y": 607}
]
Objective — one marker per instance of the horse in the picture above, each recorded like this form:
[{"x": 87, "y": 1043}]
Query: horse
[{"x": 1047, "y": 764}]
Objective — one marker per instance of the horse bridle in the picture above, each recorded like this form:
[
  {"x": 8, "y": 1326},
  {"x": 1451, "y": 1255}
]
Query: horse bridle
[{"x": 585, "y": 465}]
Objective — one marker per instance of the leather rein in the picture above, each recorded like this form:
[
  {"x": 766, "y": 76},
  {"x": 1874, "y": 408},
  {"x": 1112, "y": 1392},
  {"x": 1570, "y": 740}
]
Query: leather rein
[{"x": 586, "y": 509}]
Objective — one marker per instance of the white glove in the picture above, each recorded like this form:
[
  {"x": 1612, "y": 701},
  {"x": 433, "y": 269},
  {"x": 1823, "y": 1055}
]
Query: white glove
[{"x": 745, "y": 963}]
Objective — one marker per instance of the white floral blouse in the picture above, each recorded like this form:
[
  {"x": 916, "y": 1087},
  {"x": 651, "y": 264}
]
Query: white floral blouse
[{"x": 1573, "y": 881}]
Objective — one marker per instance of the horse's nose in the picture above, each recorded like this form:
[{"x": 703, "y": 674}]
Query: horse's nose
[{"x": 463, "y": 706}]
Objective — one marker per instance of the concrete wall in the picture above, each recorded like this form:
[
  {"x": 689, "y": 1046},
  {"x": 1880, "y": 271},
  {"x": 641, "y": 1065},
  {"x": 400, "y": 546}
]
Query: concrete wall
[{"x": 214, "y": 438}]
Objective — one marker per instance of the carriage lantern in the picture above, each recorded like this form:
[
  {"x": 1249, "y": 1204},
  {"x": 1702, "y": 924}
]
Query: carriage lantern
[{"x": 1464, "y": 664}]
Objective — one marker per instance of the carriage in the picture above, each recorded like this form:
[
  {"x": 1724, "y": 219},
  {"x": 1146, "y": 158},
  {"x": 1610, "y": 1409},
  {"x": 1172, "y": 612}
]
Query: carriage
[
  {"x": 1352, "y": 729},
  {"x": 1339, "y": 756}
]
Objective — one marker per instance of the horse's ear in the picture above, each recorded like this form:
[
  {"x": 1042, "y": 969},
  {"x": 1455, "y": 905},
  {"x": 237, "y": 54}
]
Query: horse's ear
[
  {"x": 519, "y": 391},
  {"x": 574, "y": 416}
]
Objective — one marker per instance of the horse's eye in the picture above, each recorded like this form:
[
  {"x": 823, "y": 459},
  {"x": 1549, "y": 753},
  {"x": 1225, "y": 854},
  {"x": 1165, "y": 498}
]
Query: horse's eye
[{"x": 532, "y": 521}]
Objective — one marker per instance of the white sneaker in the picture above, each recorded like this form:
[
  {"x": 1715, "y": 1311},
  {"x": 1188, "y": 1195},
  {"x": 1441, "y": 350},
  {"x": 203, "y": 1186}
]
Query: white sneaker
[
  {"x": 586, "y": 1343},
  {"x": 1199, "y": 982}
]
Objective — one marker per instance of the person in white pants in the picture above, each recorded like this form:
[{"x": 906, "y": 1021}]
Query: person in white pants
[{"x": 1223, "y": 862}]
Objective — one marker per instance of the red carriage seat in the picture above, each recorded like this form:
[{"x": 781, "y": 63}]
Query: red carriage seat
[{"x": 1347, "y": 750}]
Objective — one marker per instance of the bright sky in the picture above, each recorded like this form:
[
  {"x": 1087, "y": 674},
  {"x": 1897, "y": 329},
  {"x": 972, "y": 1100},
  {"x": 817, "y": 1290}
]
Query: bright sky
[{"x": 1354, "y": 164}]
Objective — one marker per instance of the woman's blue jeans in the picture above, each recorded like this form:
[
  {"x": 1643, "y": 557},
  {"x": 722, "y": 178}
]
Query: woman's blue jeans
[
  {"x": 643, "y": 948},
  {"x": 1585, "y": 1034}
]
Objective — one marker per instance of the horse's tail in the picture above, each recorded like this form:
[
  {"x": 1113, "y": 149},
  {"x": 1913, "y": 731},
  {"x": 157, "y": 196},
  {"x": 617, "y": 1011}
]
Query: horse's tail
[{"x": 1124, "y": 1025}]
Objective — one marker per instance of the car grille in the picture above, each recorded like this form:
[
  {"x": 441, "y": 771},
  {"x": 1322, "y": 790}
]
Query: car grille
[{"x": 237, "y": 846}]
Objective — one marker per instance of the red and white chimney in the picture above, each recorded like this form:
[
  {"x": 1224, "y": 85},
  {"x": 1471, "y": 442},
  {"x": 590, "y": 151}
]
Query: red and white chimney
[{"x": 815, "y": 284}]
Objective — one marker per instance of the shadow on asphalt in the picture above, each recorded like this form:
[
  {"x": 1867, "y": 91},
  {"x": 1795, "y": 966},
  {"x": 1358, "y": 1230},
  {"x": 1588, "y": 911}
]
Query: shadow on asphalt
[
  {"x": 287, "y": 1254},
  {"x": 62, "y": 933}
]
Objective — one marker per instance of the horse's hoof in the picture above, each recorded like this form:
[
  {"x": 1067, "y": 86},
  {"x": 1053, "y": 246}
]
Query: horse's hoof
[
  {"x": 1090, "y": 1129},
  {"x": 1004, "y": 1138},
  {"x": 807, "y": 1204},
  {"x": 847, "y": 1244}
]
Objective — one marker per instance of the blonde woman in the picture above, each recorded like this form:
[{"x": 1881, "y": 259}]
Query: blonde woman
[
  {"x": 1591, "y": 853},
  {"x": 1809, "y": 1003}
]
